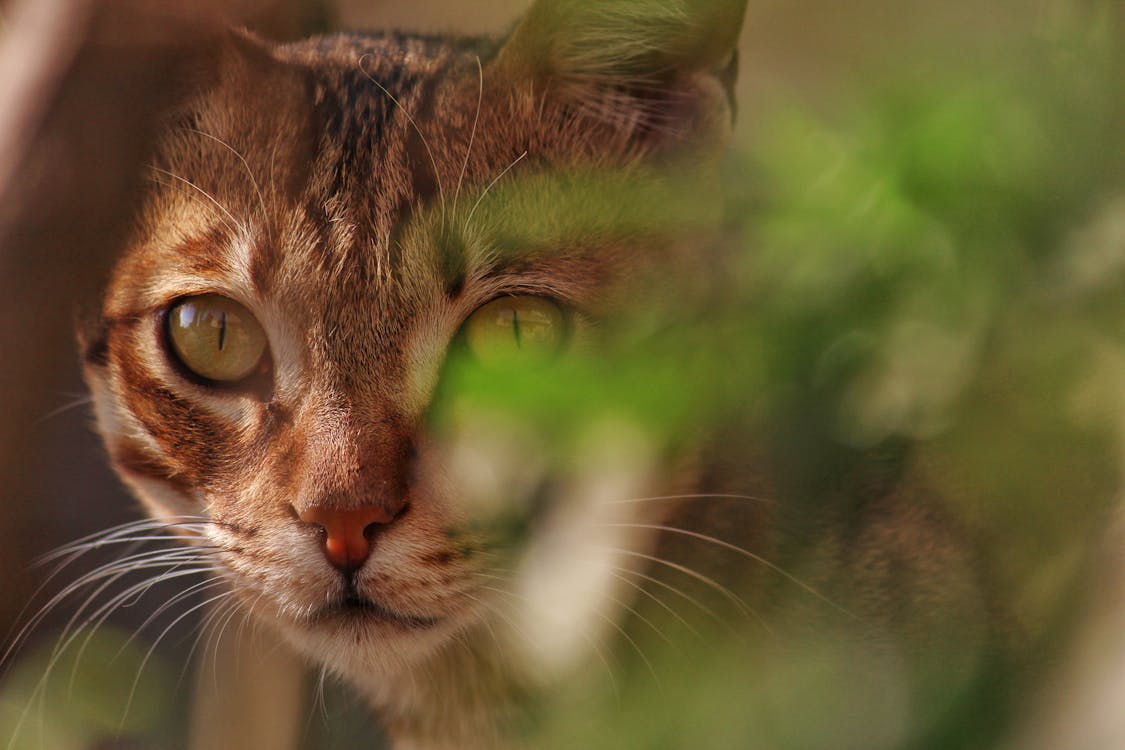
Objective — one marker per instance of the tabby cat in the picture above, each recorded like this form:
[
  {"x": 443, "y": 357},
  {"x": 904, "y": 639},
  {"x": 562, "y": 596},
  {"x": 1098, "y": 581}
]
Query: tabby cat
[{"x": 351, "y": 348}]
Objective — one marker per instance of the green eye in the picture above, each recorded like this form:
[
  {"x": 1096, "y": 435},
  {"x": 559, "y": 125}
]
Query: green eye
[
  {"x": 511, "y": 327},
  {"x": 216, "y": 338}
]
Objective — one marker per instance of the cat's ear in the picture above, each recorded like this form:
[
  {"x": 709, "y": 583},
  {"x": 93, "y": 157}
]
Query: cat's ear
[
  {"x": 673, "y": 60},
  {"x": 240, "y": 68}
]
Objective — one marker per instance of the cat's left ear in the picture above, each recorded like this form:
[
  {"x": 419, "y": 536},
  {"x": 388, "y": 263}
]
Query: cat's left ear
[{"x": 670, "y": 65}]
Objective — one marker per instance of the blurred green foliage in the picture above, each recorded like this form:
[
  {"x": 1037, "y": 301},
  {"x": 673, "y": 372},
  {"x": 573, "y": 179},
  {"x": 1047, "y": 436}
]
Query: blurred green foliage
[
  {"x": 101, "y": 688},
  {"x": 933, "y": 272}
]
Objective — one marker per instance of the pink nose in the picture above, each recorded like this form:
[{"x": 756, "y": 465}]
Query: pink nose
[{"x": 348, "y": 533}]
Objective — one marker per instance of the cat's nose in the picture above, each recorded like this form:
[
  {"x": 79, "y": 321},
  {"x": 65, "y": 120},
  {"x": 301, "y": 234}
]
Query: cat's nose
[{"x": 348, "y": 533}]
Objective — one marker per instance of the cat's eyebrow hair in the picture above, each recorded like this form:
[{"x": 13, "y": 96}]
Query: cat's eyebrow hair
[{"x": 452, "y": 261}]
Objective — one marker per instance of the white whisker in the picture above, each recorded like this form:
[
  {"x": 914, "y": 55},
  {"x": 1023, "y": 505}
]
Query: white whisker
[
  {"x": 534, "y": 644},
  {"x": 64, "y": 408},
  {"x": 738, "y": 550},
  {"x": 72, "y": 633},
  {"x": 732, "y": 597},
  {"x": 249, "y": 172},
  {"x": 229, "y": 612},
  {"x": 239, "y": 226},
  {"x": 417, "y": 129},
  {"x": 636, "y": 647},
  {"x": 106, "y": 536},
  {"x": 179, "y": 596},
  {"x": 701, "y": 496},
  {"x": 492, "y": 184},
  {"x": 641, "y": 589},
  {"x": 152, "y": 649},
  {"x": 108, "y": 573},
  {"x": 472, "y": 136}
]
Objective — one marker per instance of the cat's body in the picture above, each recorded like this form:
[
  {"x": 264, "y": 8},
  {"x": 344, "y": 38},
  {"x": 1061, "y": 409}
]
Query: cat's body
[{"x": 363, "y": 198}]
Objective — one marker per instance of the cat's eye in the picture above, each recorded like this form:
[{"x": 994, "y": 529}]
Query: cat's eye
[
  {"x": 515, "y": 327},
  {"x": 216, "y": 338}
]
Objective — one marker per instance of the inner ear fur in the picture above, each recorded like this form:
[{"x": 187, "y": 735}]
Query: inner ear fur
[{"x": 674, "y": 61}]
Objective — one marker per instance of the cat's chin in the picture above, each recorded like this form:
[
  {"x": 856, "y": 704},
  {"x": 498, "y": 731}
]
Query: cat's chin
[
  {"x": 391, "y": 639},
  {"x": 357, "y": 610}
]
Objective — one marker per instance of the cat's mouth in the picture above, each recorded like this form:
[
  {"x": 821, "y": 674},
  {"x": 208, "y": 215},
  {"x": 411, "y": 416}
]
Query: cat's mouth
[{"x": 354, "y": 606}]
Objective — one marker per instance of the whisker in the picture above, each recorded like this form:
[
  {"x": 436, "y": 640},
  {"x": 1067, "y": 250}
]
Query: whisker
[
  {"x": 180, "y": 596},
  {"x": 701, "y": 496},
  {"x": 229, "y": 613},
  {"x": 249, "y": 172},
  {"x": 64, "y": 408},
  {"x": 69, "y": 637},
  {"x": 640, "y": 652},
  {"x": 472, "y": 136},
  {"x": 319, "y": 705},
  {"x": 237, "y": 224},
  {"x": 633, "y": 610},
  {"x": 210, "y": 633},
  {"x": 109, "y": 573},
  {"x": 641, "y": 589},
  {"x": 123, "y": 598},
  {"x": 239, "y": 634},
  {"x": 489, "y": 188},
  {"x": 98, "y": 617},
  {"x": 118, "y": 535},
  {"x": 32, "y": 622},
  {"x": 273, "y": 165},
  {"x": 109, "y": 535},
  {"x": 130, "y": 563},
  {"x": 734, "y": 598},
  {"x": 417, "y": 129},
  {"x": 488, "y": 624},
  {"x": 205, "y": 632},
  {"x": 682, "y": 594},
  {"x": 75, "y": 552},
  {"x": 152, "y": 649},
  {"x": 493, "y": 609},
  {"x": 741, "y": 551},
  {"x": 585, "y": 636}
]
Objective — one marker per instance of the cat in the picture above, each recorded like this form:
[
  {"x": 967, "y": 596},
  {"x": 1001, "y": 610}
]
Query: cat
[{"x": 354, "y": 353}]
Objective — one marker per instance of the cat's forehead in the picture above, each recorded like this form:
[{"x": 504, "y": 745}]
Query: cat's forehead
[
  {"x": 364, "y": 158},
  {"x": 319, "y": 150}
]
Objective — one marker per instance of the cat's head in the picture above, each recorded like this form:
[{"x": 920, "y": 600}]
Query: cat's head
[{"x": 361, "y": 264}]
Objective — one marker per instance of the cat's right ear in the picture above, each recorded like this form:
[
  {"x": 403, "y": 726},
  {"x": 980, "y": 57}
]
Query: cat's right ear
[{"x": 672, "y": 61}]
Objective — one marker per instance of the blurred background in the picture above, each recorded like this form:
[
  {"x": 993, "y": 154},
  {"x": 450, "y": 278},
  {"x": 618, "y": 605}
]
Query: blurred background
[{"x": 928, "y": 200}]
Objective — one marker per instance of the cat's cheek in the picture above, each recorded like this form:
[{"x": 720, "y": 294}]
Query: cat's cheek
[{"x": 137, "y": 457}]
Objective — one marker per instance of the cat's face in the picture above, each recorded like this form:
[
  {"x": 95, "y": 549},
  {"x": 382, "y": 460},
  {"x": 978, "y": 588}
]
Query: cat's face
[{"x": 332, "y": 228}]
